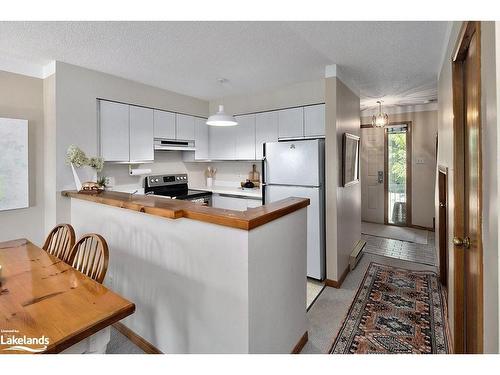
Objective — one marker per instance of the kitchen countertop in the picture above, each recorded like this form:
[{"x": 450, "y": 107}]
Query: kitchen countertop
[
  {"x": 175, "y": 209},
  {"x": 254, "y": 193}
]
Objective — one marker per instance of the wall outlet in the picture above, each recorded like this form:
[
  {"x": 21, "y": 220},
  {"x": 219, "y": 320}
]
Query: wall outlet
[{"x": 420, "y": 161}]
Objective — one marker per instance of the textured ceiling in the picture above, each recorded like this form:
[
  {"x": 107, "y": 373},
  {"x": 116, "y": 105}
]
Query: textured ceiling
[{"x": 396, "y": 61}]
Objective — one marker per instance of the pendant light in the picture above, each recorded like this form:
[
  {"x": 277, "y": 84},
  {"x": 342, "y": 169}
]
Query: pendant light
[
  {"x": 221, "y": 118},
  {"x": 380, "y": 120}
]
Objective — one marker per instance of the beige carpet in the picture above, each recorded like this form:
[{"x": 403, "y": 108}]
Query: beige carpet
[{"x": 396, "y": 233}]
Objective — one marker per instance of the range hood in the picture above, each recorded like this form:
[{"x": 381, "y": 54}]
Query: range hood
[{"x": 162, "y": 144}]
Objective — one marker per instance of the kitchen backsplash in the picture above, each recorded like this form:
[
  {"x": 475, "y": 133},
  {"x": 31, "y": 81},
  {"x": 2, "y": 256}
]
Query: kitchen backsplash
[{"x": 228, "y": 172}]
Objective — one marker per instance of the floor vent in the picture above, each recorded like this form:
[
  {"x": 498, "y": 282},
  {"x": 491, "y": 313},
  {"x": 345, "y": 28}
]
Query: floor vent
[{"x": 356, "y": 254}]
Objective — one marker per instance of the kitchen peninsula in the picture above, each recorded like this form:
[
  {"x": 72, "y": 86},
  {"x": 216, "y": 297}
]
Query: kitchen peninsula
[{"x": 204, "y": 280}]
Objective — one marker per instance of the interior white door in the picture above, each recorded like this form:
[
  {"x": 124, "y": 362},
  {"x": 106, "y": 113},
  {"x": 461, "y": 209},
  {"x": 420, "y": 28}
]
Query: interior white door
[
  {"x": 372, "y": 175},
  {"x": 293, "y": 163},
  {"x": 315, "y": 232}
]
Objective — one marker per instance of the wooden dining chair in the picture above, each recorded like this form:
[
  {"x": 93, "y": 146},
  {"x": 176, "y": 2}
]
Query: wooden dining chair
[
  {"x": 60, "y": 241},
  {"x": 90, "y": 256}
]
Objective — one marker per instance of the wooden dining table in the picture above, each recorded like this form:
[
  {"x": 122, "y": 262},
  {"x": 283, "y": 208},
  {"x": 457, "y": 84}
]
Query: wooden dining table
[{"x": 46, "y": 305}]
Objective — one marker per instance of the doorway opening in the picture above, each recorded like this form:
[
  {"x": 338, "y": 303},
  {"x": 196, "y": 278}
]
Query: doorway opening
[{"x": 397, "y": 187}]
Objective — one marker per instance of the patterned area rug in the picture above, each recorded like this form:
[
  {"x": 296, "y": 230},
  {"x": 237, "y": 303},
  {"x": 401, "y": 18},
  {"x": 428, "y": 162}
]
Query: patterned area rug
[{"x": 395, "y": 311}]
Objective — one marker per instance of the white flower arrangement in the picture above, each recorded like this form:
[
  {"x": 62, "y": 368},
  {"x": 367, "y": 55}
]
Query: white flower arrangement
[{"x": 75, "y": 156}]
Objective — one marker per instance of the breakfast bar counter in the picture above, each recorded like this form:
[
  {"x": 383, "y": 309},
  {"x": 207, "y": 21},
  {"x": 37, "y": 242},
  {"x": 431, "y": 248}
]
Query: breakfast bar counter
[
  {"x": 204, "y": 280},
  {"x": 175, "y": 209}
]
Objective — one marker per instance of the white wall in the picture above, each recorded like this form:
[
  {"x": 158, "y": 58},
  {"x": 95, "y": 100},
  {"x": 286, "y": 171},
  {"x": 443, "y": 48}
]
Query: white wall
[
  {"x": 489, "y": 130},
  {"x": 343, "y": 204},
  {"x": 77, "y": 90},
  {"x": 299, "y": 94},
  {"x": 22, "y": 97},
  {"x": 424, "y": 131}
]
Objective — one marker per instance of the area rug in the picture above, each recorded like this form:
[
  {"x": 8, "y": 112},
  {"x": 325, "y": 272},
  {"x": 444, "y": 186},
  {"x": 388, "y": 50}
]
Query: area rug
[
  {"x": 395, "y": 232},
  {"x": 395, "y": 311}
]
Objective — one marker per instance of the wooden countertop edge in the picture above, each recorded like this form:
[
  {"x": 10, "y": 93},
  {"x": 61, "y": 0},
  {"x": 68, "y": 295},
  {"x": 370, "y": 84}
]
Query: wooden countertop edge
[
  {"x": 246, "y": 220},
  {"x": 89, "y": 331}
]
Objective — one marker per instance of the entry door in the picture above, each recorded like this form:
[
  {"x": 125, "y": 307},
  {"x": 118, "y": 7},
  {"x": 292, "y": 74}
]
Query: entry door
[
  {"x": 372, "y": 175},
  {"x": 467, "y": 184}
]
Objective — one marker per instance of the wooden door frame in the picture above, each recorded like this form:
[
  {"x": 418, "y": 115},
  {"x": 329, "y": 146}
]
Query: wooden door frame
[
  {"x": 409, "y": 158},
  {"x": 443, "y": 252},
  {"x": 459, "y": 124}
]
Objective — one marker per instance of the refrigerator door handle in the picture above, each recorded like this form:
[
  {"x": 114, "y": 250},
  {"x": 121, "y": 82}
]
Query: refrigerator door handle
[{"x": 263, "y": 194}]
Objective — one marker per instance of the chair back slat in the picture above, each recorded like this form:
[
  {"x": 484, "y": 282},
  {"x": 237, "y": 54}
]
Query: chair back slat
[
  {"x": 90, "y": 256},
  {"x": 60, "y": 241}
]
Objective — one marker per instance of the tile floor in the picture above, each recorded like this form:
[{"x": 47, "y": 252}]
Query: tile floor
[
  {"x": 413, "y": 252},
  {"x": 314, "y": 288}
]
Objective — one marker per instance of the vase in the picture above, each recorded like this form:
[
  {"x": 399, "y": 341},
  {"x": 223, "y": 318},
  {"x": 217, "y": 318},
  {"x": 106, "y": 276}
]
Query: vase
[{"x": 83, "y": 174}]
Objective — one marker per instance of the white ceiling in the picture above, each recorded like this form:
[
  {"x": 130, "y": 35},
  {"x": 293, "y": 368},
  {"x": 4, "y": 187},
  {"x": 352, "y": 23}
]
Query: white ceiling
[{"x": 396, "y": 61}]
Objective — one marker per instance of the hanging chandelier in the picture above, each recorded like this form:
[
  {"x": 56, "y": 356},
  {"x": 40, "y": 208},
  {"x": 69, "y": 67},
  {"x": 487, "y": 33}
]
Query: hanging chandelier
[{"x": 380, "y": 120}]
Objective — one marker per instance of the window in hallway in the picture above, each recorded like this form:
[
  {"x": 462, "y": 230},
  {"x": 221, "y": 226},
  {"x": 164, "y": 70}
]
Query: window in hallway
[{"x": 397, "y": 174}]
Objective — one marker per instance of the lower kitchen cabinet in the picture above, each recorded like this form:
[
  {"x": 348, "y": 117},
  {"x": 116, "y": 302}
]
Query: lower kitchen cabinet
[{"x": 233, "y": 202}]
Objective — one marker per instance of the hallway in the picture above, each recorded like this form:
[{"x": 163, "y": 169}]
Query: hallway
[{"x": 328, "y": 312}]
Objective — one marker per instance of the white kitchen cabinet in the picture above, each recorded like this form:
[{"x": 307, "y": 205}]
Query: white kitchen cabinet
[
  {"x": 252, "y": 203},
  {"x": 184, "y": 129},
  {"x": 245, "y": 137},
  {"x": 164, "y": 124},
  {"x": 291, "y": 123},
  {"x": 222, "y": 142},
  {"x": 201, "y": 139},
  {"x": 314, "y": 120},
  {"x": 141, "y": 134},
  {"x": 266, "y": 130},
  {"x": 229, "y": 202},
  {"x": 233, "y": 202},
  {"x": 114, "y": 131}
]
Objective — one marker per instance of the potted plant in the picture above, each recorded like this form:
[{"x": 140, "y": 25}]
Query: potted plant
[{"x": 84, "y": 169}]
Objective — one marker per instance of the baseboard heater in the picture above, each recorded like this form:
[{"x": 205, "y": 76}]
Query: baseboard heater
[{"x": 356, "y": 254}]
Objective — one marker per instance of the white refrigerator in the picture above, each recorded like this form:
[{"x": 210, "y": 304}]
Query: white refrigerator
[{"x": 296, "y": 169}]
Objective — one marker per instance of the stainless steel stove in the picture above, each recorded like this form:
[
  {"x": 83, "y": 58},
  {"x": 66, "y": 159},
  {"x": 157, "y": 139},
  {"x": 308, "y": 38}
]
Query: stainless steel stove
[{"x": 175, "y": 186}]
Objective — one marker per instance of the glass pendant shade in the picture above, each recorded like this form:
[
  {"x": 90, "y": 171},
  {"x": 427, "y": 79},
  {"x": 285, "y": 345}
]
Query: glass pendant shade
[
  {"x": 221, "y": 119},
  {"x": 380, "y": 120}
]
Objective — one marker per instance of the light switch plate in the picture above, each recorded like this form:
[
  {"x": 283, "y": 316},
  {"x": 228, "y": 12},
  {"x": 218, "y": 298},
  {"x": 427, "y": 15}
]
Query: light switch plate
[{"x": 420, "y": 161}]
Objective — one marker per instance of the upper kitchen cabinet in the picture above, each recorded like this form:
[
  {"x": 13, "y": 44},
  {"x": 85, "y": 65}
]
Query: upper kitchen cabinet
[
  {"x": 222, "y": 142},
  {"x": 114, "y": 131},
  {"x": 164, "y": 124},
  {"x": 291, "y": 123},
  {"x": 266, "y": 130},
  {"x": 245, "y": 137},
  {"x": 201, "y": 139},
  {"x": 314, "y": 121},
  {"x": 141, "y": 134},
  {"x": 185, "y": 127}
]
